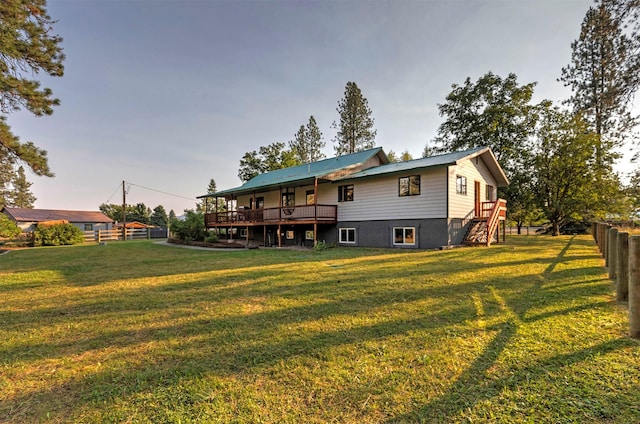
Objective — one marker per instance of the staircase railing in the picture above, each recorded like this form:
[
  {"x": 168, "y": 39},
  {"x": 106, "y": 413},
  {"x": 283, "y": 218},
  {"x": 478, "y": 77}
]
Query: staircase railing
[{"x": 498, "y": 211}]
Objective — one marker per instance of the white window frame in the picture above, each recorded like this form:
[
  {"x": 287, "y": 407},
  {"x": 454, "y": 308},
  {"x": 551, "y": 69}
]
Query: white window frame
[
  {"x": 243, "y": 232},
  {"x": 461, "y": 188},
  {"x": 404, "y": 236},
  {"x": 346, "y": 232}
]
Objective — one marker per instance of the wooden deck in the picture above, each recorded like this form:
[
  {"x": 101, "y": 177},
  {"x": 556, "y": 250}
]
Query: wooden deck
[{"x": 306, "y": 214}]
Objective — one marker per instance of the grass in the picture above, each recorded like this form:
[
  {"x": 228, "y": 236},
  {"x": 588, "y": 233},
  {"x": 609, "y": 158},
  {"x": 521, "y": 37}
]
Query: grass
[{"x": 138, "y": 332}]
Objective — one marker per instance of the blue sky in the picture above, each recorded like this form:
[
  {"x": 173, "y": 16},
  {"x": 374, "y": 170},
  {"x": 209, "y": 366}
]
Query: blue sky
[{"x": 169, "y": 94}]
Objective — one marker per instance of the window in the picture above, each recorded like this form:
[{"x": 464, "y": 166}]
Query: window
[
  {"x": 311, "y": 197},
  {"x": 88, "y": 227},
  {"x": 345, "y": 193},
  {"x": 409, "y": 186},
  {"x": 291, "y": 235},
  {"x": 308, "y": 235},
  {"x": 288, "y": 198},
  {"x": 404, "y": 236},
  {"x": 347, "y": 235},
  {"x": 259, "y": 203},
  {"x": 243, "y": 233},
  {"x": 461, "y": 185},
  {"x": 489, "y": 196}
]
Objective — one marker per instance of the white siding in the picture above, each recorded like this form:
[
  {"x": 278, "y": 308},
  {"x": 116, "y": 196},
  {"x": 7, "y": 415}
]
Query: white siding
[
  {"x": 462, "y": 206},
  {"x": 377, "y": 198}
]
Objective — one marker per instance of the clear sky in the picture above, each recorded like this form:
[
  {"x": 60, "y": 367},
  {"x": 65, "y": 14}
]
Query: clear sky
[{"x": 169, "y": 94}]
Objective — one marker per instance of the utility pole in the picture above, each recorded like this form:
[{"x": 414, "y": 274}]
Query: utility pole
[{"x": 124, "y": 212}]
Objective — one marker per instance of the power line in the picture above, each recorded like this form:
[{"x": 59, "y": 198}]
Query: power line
[
  {"x": 160, "y": 191},
  {"x": 112, "y": 194}
]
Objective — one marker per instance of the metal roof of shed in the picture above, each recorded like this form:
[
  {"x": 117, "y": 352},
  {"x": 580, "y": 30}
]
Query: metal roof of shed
[{"x": 39, "y": 215}]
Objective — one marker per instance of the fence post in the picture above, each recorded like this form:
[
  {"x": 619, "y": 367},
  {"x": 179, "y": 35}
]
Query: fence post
[
  {"x": 634, "y": 287},
  {"x": 605, "y": 242},
  {"x": 622, "y": 267},
  {"x": 599, "y": 236},
  {"x": 611, "y": 252}
]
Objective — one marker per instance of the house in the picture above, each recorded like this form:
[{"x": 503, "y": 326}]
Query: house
[
  {"x": 363, "y": 200},
  {"x": 27, "y": 219},
  {"x": 136, "y": 225}
]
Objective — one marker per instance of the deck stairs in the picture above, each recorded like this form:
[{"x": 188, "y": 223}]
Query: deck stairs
[{"x": 482, "y": 230}]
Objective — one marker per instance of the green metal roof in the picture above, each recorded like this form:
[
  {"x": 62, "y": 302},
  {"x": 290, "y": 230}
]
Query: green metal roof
[
  {"x": 438, "y": 160},
  {"x": 301, "y": 173}
]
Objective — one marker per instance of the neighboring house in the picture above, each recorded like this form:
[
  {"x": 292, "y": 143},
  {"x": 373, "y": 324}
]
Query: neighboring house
[
  {"x": 363, "y": 200},
  {"x": 136, "y": 225},
  {"x": 27, "y": 219}
]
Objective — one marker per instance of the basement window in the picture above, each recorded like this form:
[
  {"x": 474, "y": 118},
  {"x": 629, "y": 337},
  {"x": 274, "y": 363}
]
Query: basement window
[{"x": 404, "y": 236}]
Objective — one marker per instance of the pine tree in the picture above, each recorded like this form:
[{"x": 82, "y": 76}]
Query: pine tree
[
  {"x": 7, "y": 175},
  {"x": 307, "y": 143},
  {"x": 603, "y": 76},
  {"x": 159, "y": 217},
  {"x": 27, "y": 48},
  {"x": 21, "y": 193},
  {"x": 355, "y": 130}
]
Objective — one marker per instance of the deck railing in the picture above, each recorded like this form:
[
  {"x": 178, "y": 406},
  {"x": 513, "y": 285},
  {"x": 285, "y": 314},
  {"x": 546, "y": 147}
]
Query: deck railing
[{"x": 273, "y": 215}]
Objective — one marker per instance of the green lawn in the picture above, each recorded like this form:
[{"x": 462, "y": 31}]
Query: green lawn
[{"x": 137, "y": 332}]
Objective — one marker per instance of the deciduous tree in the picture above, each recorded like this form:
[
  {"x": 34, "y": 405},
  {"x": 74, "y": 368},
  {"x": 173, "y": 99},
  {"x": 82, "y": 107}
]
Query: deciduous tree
[
  {"x": 355, "y": 129},
  {"x": 268, "y": 158},
  {"x": 495, "y": 112},
  {"x": 567, "y": 183},
  {"x": 27, "y": 47}
]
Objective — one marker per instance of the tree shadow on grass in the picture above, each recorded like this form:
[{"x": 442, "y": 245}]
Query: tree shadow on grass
[{"x": 476, "y": 385}]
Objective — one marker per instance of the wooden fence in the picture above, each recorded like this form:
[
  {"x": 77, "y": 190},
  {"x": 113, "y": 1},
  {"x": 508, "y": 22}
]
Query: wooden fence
[
  {"x": 132, "y": 234},
  {"x": 621, "y": 252}
]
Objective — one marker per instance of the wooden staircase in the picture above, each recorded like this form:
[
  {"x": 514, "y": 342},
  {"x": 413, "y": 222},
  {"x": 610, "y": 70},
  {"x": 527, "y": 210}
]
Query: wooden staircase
[{"x": 482, "y": 229}]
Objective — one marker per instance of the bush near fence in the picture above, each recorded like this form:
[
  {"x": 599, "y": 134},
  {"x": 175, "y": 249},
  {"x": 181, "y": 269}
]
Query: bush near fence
[{"x": 621, "y": 252}]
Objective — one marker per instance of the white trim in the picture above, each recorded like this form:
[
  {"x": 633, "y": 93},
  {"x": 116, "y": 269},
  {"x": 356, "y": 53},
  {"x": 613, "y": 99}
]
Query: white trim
[
  {"x": 340, "y": 240},
  {"x": 404, "y": 236}
]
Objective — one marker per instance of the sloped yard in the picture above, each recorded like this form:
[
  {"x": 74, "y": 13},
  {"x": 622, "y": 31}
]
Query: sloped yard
[{"x": 137, "y": 332}]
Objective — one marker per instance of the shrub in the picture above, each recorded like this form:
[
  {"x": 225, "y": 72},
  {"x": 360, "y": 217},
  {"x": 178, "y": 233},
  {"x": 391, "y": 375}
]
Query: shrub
[
  {"x": 8, "y": 228},
  {"x": 57, "y": 235},
  {"x": 191, "y": 228},
  {"x": 211, "y": 238}
]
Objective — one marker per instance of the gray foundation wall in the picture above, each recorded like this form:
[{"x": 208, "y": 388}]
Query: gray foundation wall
[{"x": 430, "y": 233}]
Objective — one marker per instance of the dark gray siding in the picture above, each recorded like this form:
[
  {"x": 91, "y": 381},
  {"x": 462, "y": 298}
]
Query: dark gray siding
[{"x": 430, "y": 233}]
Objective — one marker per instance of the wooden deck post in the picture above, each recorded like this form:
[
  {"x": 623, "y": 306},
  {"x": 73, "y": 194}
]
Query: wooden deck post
[
  {"x": 611, "y": 252},
  {"x": 315, "y": 212},
  {"x": 634, "y": 287},
  {"x": 279, "y": 236},
  {"x": 622, "y": 267}
]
